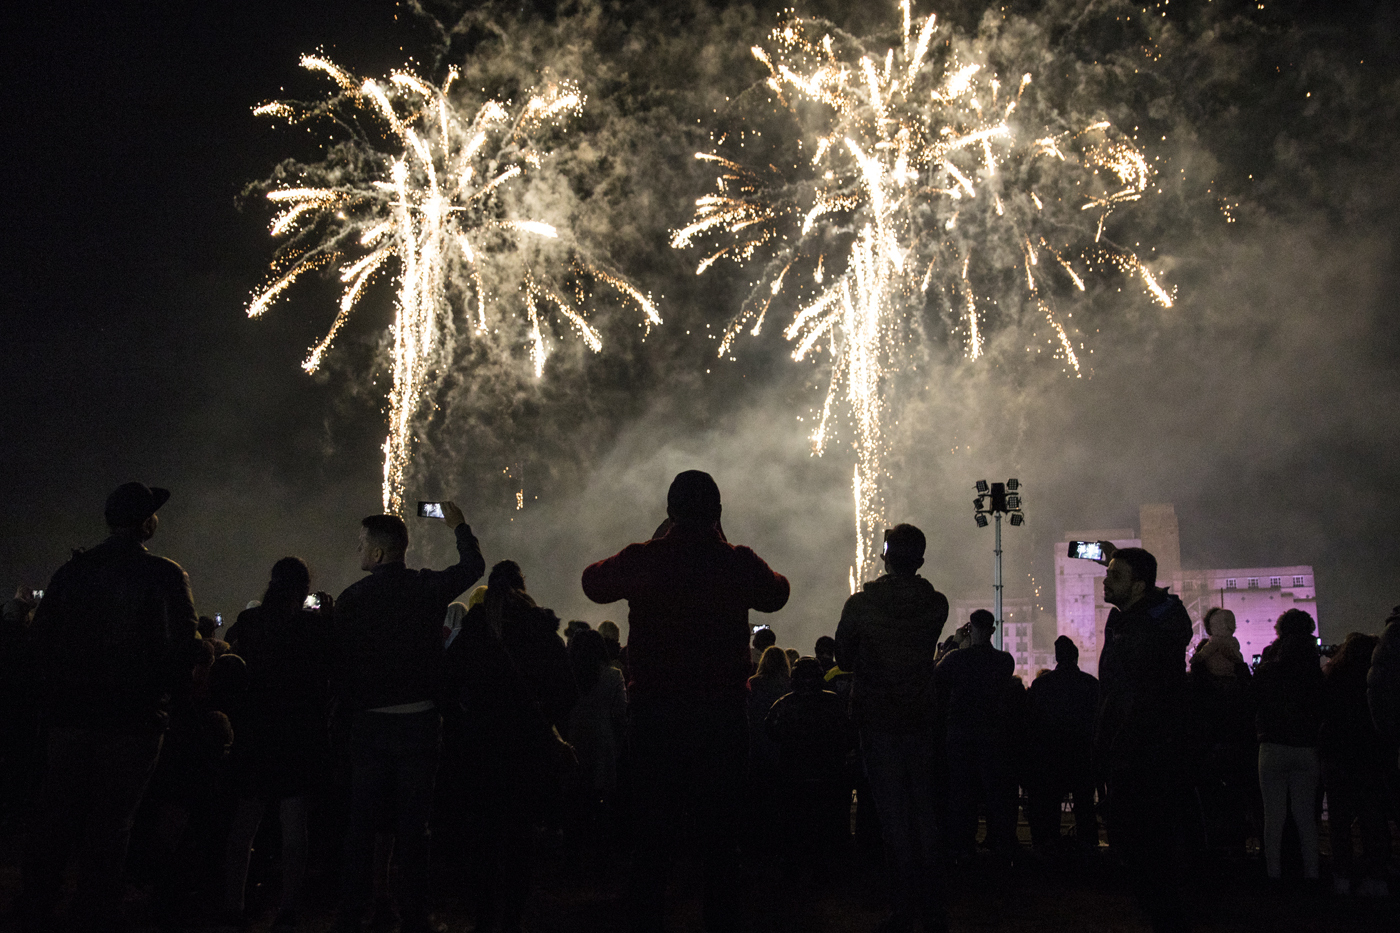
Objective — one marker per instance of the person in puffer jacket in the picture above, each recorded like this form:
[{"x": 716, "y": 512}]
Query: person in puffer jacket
[{"x": 888, "y": 638}]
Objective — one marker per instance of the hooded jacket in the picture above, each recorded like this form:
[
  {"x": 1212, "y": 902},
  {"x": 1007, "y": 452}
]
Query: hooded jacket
[
  {"x": 888, "y": 638},
  {"x": 1142, "y": 677},
  {"x": 689, "y": 593}
]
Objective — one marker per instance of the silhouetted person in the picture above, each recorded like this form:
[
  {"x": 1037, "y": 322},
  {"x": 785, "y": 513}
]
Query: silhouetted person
[
  {"x": 1355, "y": 764},
  {"x": 114, "y": 638},
  {"x": 1141, "y": 735},
  {"x": 813, "y": 735},
  {"x": 763, "y": 639},
  {"x": 1063, "y": 704},
  {"x": 1224, "y": 747},
  {"x": 773, "y": 680},
  {"x": 976, "y": 686},
  {"x": 597, "y": 729},
  {"x": 887, "y": 638},
  {"x": 689, "y": 594},
  {"x": 388, "y": 648},
  {"x": 1289, "y": 689},
  {"x": 530, "y": 634},
  {"x": 825, "y": 653},
  {"x": 512, "y": 753},
  {"x": 1383, "y": 686},
  {"x": 282, "y": 736}
]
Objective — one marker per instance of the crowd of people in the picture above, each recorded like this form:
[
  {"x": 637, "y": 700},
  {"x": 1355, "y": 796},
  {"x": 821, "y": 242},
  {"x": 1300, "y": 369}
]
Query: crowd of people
[{"x": 415, "y": 721}]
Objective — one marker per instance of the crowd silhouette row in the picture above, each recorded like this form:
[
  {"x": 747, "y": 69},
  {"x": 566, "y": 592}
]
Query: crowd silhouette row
[{"x": 414, "y": 723}]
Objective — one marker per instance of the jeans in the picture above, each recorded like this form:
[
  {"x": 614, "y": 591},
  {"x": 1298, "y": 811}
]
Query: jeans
[
  {"x": 94, "y": 784},
  {"x": 687, "y": 756},
  {"x": 393, "y": 765},
  {"x": 1288, "y": 776},
  {"x": 900, "y": 769}
]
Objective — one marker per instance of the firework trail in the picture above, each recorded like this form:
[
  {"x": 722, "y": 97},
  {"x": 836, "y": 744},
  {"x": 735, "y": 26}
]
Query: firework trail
[
  {"x": 921, "y": 176},
  {"x": 421, "y": 186}
]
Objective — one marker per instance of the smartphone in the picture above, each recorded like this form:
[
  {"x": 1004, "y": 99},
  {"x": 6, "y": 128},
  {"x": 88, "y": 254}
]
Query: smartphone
[
  {"x": 38, "y": 594},
  {"x": 430, "y": 509},
  {"x": 1086, "y": 550},
  {"x": 312, "y": 602}
]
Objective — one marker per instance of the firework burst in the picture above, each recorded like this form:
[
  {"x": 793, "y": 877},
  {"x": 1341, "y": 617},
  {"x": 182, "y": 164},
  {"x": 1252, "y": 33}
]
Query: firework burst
[
  {"x": 923, "y": 181},
  {"x": 420, "y": 186}
]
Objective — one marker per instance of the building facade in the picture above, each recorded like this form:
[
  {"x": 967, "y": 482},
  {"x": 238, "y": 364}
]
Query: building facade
[{"x": 1256, "y": 595}]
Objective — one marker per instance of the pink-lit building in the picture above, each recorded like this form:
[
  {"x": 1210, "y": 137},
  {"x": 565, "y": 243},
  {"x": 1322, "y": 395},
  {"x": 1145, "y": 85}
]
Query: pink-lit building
[{"x": 1256, "y": 595}]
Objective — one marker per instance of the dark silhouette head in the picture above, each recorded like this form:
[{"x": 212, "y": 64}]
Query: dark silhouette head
[
  {"x": 383, "y": 540},
  {"x": 588, "y": 655},
  {"x": 1066, "y": 651},
  {"x": 983, "y": 621},
  {"x": 764, "y": 638},
  {"x": 808, "y": 676},
  {"x": 505, "y": 575},
  {"x": 1294, "y": 622},
  {"x": 904, "y": 549},
  {"x": 131, "y": 509},
  {"x": 290, "y": 582},
  {"x": 207, "y": 627},
  {"x": 825, "y": 651},
  {"x": 693, "y": 499}
]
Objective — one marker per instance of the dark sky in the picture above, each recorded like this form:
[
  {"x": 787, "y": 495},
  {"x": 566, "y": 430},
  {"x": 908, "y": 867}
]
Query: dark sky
[{"x": 1262, "y": 405}]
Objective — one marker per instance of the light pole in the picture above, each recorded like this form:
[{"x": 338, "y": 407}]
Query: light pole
[{"x": 995, "y": 500}]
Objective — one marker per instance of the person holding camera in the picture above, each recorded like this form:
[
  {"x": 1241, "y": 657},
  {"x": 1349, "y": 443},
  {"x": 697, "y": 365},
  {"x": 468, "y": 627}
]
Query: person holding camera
[{"x": 388, "y": 648}]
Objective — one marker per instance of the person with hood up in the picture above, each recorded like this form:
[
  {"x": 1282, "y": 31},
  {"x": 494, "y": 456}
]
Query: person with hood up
[
  {"x": 887, "y": 638},
  {"x": 689, "y": 592},
  {"x": 1141, "y": 734}
]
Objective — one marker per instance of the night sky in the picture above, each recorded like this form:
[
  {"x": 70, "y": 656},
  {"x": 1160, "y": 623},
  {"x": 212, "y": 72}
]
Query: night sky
[{"x": 1262, "y": 404}]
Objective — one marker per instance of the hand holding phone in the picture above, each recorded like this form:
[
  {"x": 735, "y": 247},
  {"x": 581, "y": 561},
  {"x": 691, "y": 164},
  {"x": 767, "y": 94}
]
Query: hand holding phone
[{"x": 1086, "y": 550}]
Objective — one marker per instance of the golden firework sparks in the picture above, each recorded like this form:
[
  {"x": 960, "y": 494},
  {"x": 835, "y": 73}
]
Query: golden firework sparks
[
  {"x": 923, "y": 165},
  {"x": 432, "y": 202}
]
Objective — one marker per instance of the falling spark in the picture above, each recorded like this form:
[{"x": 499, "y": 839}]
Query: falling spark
[
  {"x": 924, "y": 157},
  {"x": 434, "y": 203}
]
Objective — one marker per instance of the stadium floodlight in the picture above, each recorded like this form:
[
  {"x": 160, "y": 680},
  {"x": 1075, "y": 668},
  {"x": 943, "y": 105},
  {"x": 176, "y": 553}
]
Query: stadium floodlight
[{"x": 995, "y": 500}]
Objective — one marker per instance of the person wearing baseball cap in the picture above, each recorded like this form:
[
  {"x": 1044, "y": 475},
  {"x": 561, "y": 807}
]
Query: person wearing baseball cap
[{"x": 114, "y": 638}]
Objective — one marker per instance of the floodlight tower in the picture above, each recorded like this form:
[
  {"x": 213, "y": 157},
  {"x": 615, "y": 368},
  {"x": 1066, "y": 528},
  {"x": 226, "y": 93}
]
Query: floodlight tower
[{"x": 996, "y": 500}]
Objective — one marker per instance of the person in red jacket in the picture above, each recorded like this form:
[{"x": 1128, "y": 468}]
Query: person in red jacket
[{"x": 689, "y": 592}]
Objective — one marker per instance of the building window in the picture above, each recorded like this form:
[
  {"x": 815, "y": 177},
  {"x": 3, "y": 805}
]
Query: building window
[
  {"x": 1274, "y": 581},
  {"x": 1229, "y": 584},
  {"x": 1297, "y": 581},
  {"x": 1254, "y": 583}
]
